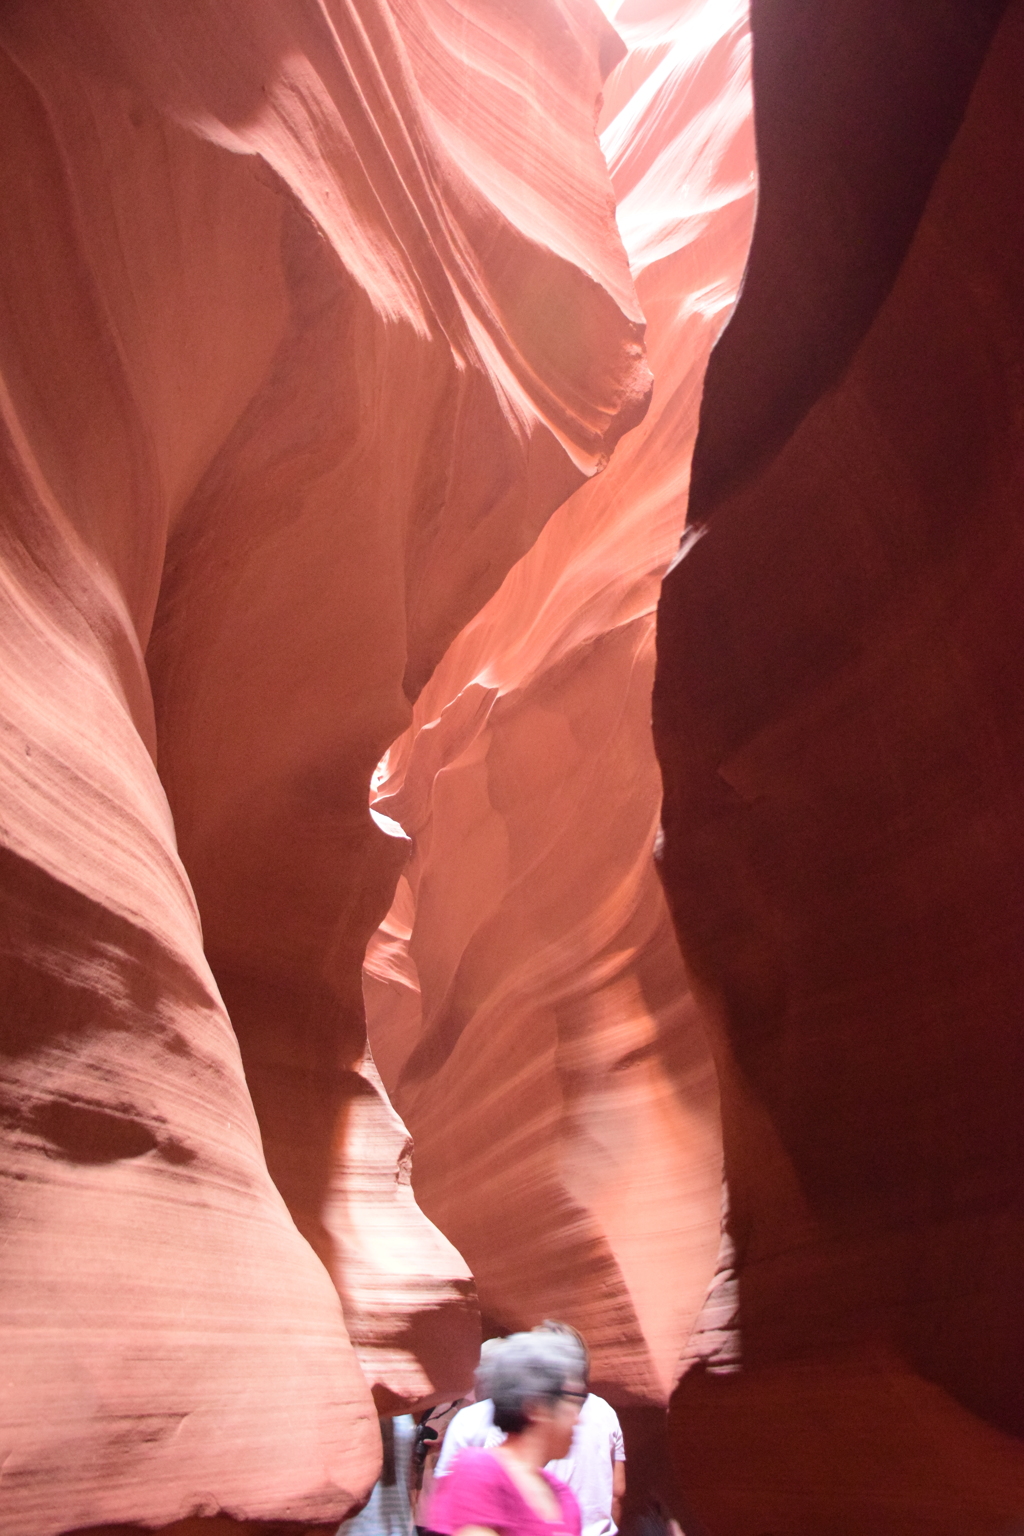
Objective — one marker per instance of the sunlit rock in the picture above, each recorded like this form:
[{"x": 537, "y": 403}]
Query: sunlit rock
[
  {"x": 309, "y": 318},
  {"x": 527, "y": 1005}
]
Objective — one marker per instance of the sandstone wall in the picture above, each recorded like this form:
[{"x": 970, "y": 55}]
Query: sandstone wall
[
  {"x": 270, "y": 275},
  {"x": 527, "y": 1006},
  {"x": 838, "y": 717}
]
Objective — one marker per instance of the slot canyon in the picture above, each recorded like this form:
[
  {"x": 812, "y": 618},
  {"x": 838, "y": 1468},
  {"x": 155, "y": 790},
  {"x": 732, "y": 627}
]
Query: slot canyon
[{"x": 460, "y": 867}]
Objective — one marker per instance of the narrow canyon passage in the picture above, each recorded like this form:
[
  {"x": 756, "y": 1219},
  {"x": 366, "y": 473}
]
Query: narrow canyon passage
[
  {"x": 373, "y": 979},
  {"x": 527, "y": 1006}
]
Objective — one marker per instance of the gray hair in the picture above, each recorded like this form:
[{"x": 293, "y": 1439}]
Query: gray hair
[{"x": 527, "y": 1368}]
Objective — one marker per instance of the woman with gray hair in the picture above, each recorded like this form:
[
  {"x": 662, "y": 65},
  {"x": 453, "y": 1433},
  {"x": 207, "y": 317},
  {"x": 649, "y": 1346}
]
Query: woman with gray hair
[{"x": 535, "y": 1381}]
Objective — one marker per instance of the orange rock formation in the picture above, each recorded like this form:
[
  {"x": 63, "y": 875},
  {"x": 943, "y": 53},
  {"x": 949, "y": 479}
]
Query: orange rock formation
[
  {"x": 838, "y": 719},
  {"x": 315, "y": 327},
  {"x": 527, "y": 1005},
  {"x": 272, "y": 275}
]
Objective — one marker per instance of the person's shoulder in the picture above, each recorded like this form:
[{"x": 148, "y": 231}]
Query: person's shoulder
[
  {"x": 599, "y": 1412},
  {"x": 601, "y": 1427},
  {"x": 471, "y": 1493},
  {"x": 468, "y": 1420},
  {"x": 478, "y": 1465}
]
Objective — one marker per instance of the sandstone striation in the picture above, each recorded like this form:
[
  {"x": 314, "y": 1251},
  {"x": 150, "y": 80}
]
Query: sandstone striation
[
  {"x": 526, "y": 1002},
  {"x": 270, "y": 276},
  {"x": 838, "y": 720},
  {"x": 399, "y": 1279}
]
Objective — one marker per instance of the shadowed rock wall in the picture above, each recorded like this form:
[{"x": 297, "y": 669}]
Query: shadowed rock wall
[
  {"x": 838, "y": 717},
  {"x": 527, "y": 1006},
  {"x": 270, "y": 275}
]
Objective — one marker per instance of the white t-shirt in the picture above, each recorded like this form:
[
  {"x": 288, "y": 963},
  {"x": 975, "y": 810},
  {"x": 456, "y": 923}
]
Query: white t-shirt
[{"x": 596, "y": 1444}]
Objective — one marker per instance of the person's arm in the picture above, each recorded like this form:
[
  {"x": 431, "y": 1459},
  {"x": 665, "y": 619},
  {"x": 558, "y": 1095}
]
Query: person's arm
[
  {"x": 475, "y": 1530},
  {"x": 618, "y": 1489},
  {"x": 618, "y": 1449}
]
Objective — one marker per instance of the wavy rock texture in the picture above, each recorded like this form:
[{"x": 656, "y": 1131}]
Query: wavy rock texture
[
  {"x": 838, "y": 717},
  {"x": 526, "y": 1002},
  {"x": 271, "y": 275},
  {"x": 397, "y": 1274}
]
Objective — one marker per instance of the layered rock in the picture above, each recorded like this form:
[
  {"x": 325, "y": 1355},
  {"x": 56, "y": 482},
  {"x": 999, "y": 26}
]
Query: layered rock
[
  {"x": 839, "y": 724},
  {"x": 526, "y": 1002},
  {"x": 271, "y": 275},
  {"x": 400, "y": 1280}
]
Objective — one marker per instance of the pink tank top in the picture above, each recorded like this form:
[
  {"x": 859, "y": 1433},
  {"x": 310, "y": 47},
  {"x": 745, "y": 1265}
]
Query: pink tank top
[{"x": 478, "y": 1491}]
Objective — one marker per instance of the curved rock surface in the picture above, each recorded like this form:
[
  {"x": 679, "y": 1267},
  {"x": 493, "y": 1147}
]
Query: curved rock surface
[
  {"x": 408, "y": 1295},
  {"x": 270, "y": 275},
  {"x": 838, "y": 717},
  {"x": 526, "y": 1003}
]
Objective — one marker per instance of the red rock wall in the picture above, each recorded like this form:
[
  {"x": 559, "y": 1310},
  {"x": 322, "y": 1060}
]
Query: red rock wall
[
  {"x": 270, "y": 276},
  {"x": 839, "y": 724},
  {"x": 526, "y": 1002}
]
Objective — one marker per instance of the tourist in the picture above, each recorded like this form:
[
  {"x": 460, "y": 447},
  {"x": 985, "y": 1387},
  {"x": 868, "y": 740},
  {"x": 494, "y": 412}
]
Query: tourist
[
  {"x": 595, "y": 1468},
  {"x": 388, "y": 1511},
  {"x": 431, "y": 1425},
  {"x": 537, "y": 1389}
]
